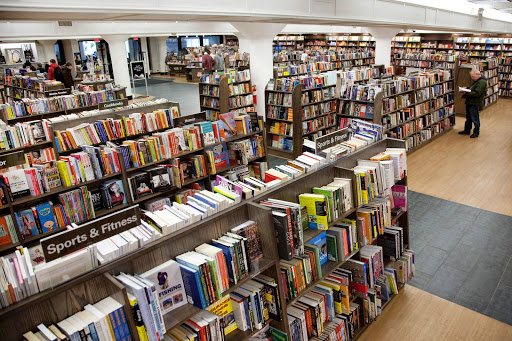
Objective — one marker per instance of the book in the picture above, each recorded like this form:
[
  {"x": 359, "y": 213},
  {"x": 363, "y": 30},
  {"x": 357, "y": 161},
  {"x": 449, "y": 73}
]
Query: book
[
  {"x": 160, "y": 179},
  {"x": 140, "y": 185},
  {"x": 46, "y": 217},
  {"x": 113, "y": 193},
  {"x": 224, "y": 309},
  {"x": 317, "y": 210},
  {"x": 169, "y": 285},
  {"x": 26, "y": 223}
]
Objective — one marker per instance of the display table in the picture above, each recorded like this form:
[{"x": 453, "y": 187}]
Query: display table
[
  {"x": 194, "y": 73},
  {"x": 176, "y": 68}
]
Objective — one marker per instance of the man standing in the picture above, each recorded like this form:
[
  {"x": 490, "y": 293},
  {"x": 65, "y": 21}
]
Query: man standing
[
  {"x": 51, "y": 69},
  {"x": 67, "y": 76},
  {"x": 208, "y": 62},
  {"x": 474, "y": 98}
]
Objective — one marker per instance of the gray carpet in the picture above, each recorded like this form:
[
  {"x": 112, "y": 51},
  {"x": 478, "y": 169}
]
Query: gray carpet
[
  {"x": 463, "y": 254},
  {"x": 187, "y": 95}
]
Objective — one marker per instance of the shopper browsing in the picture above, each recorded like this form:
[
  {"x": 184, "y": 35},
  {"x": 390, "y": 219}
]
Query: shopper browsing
[
  {"x": 474, "y": 97},
  {"x": 208, "y": 62},
  {"x": 66, "y": 74},
  {"x": 51, "y": 69},
  {"x": 220, "y": 65},
  {"x": 168, "y": 58}
]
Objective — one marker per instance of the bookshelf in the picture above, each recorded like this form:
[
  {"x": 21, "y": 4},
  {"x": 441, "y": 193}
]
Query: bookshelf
[
  {"x": 52, "y": 305},
  {"x": 124, "y": 174},
  {"x": 505, "y": 77},
  {"x": 224, "y": 96},
  {"x": 301, "y": 114}
]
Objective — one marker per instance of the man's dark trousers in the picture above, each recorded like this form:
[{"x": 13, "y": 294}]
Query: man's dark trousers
[{"x": 472, "y": 117}]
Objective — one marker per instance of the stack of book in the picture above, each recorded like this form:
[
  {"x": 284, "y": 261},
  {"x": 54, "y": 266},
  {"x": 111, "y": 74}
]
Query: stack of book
[
  {"x": 24, "y": 134},
  {"x": 102, "y": 321}
]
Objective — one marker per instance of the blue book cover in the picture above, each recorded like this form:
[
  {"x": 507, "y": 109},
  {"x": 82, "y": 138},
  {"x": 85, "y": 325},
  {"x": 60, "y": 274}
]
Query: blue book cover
[
  {"x": 26, "y": 223},
  {"x": 220, "y": 155},
  {"x": 206, "y": 200},
  {"x": 46, "y": 217},
  {"x": 321, "y": 242},
  {"x": 193, "y": 287},
  {"x": 229, "y": 259}
]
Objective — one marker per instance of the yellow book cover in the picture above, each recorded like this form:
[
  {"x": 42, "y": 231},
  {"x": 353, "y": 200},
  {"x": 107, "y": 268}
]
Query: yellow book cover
[
  {"x": 336, "y": 287},
  {"x": 139, "y": 324},
  {"x": 381, "y": 157},
  {"x": 224, "y": 309},
  {"x": 316, "y": 206},
  {"x": 63, "y": 172}
]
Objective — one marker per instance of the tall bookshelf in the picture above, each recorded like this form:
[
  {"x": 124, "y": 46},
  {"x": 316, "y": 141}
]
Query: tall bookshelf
[
  {"x": 52, "y": 305},
  {"x": 225, "y": 96},
  {"x": 505, "y": 77},
  {"x": 303, "y": 115}
]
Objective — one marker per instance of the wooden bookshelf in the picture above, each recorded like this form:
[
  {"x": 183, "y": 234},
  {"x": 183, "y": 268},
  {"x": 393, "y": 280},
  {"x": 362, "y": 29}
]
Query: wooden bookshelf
[
  {"x": 298, "y": 120},
  {"x": 53, "y": 305}
]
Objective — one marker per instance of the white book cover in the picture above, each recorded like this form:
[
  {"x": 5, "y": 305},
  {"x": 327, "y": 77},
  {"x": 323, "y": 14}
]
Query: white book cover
[{"x": 169, "y": 285}]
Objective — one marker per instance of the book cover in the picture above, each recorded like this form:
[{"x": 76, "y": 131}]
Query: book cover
[
  {"x": 316, "y": 206},
  {"x": 115, "y": 191},
  {"x": 193, "y": 287},
  {"x": 160, "y": 179},
  {"x": 36, "y": 254},
  {"x": 5, "y": 237},
  {"x": 220, "y": 155},
  {"x": 207, "y": 131},
  {"x": 249, "y": 230},
  {"x": 224, "y": 309},
  {"x": 228, "y": 121},
  {"x": 46, "y": 217},
  {"x": 169, "y": 285},
  {"x": 141, "y": 185},
  {"x": 321, "y": 242},
  {"x": 26, "y": 223},
  {"x": 37, "y": 131},
  {"x": 17, "y": 182},
  {"x": 97, "y": 203}
]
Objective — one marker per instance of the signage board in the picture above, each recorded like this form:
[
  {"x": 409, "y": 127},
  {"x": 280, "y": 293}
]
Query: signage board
[
  {"x": 113, "y": 104},
  {"x": 96, "y": 230},
  {"x": 59, "y": 92},
  {"x": 330, "y": 140}
]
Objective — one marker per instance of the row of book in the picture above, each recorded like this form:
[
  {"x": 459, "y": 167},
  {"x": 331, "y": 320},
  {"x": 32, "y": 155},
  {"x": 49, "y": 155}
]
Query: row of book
[
  {"x": 246, "y": 308},
  {"x": 428, "y": 57},
  {"x": 282, "y": 128},
  {"x": 239, "y": 101},
  {"x": 240, "y": 152},
  {"x": 233, "y": 76},
  {"x": 319, "y": 95},
  {"x": 210, "y": 90},
  {"x": 364, "y": 110},
  {"x": 360, "y": 92},
  {"x": 24, "y": 134},
  {"x": 317, "y": 124},
  {"x": 319, "y": 109},
  {"x": 52, "y": 104},
  {"x": 105, "y": 320},
  {"x": 239, "y": 89}
]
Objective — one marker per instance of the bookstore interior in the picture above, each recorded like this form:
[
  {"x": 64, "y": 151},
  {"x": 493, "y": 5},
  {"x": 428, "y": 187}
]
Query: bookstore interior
[{"x": 255, "y": 171}]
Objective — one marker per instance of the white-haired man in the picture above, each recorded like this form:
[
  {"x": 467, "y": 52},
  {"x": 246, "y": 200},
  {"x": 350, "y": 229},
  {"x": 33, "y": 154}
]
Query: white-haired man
[{"x": 474, "y": 100}]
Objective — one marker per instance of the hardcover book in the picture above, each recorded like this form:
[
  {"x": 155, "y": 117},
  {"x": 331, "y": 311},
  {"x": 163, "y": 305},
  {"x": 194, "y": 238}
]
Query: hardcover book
[
  {"x": 140, "y": 185},
  {"x": 46, "y": 217},
  {"x": 97, "y": 203},
  {"x": 228, "y": 120},
  {"x": 115, "y": 192}
]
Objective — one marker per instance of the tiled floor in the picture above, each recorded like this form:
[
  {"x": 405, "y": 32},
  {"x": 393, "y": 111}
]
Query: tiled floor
[{"x": 463, "y": 254}]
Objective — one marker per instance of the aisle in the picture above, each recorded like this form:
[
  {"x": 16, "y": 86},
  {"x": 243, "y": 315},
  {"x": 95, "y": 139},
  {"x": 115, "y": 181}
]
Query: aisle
[
  {"x": 417, "y": 315},
  {"x": 474, "y": 172}
]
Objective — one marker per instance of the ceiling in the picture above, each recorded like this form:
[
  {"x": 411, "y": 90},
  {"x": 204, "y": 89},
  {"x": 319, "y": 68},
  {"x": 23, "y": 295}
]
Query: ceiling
[{"x": 500, "y": 5}]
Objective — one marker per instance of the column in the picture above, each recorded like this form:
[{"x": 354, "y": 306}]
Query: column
[
  {"x": 256, "y": 38},
  {"x": 45, "y": 51},
  {"x": 162, "y": 52},
  {"x": 383, "y": 37},
  {"x": 117, "y": 47}
]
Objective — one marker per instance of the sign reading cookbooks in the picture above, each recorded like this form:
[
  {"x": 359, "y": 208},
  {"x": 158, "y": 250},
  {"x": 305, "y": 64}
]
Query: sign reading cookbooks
[
  {"x": 69, "y": 241},
  {"x": 113, "y": 104},
  {"x": 330, "y": 140}
]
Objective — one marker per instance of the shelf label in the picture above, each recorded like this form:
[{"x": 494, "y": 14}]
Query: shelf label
[
  {"x": 113, "y": 104},
  {"x": 330, "y": 140},
  {"x": 66, "y": 242},
  {"x": 60, "y": 92},
  {"x": 11, "y": 159}
]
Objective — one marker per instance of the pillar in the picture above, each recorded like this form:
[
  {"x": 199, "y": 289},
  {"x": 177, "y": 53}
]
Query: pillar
[
  {"x": 383, "y": 37},
  {"x": 45, "y": 51},
  {"x": 256, "y": 39},
  {"x": 162, "y": 52},
  {"x": 117, "y": 47}
]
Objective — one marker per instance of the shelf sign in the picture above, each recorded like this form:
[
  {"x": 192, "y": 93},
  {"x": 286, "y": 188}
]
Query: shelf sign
[
  {"x": 332, "y": 139},
  {"x": 113, "y": 104},
  {"x": 60, "y": 92},
  {"x": 96, "y": 230},
  {"x": 11, "y": 159}
]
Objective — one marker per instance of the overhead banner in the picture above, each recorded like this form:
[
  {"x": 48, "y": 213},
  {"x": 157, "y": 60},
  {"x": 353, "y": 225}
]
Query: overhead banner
[{"x": 96, "y": 230}]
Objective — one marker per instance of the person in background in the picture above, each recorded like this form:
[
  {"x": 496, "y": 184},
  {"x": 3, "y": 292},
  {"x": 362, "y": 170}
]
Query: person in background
[
  {"x": 220, "y": 65},
  {"x": 40, "y": 68},
  {"x": 27, "y": 64},
  {"x": 51, "y": 69},
  {"x": 208, "y": 62},
  {"x": 474, "y": 97},
  {"x": 168, "y": 58},
  {"x": 68, "y": 77},
  {"x": 46, "y": 67}
]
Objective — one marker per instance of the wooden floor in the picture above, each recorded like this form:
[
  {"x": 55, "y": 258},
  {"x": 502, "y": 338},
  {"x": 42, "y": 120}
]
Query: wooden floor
[
  {"x": 417, "y": 315},
  {"x": 475, "y": 172}
]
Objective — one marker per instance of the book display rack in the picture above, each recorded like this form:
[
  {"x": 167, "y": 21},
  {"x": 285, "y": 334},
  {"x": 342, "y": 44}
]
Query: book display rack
[
  {"x": 295, "y": 111},
  {"x": 52, "y": 305},
  {"x": 505, "y": 77},
  {"x": 219, "y": 93}
]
